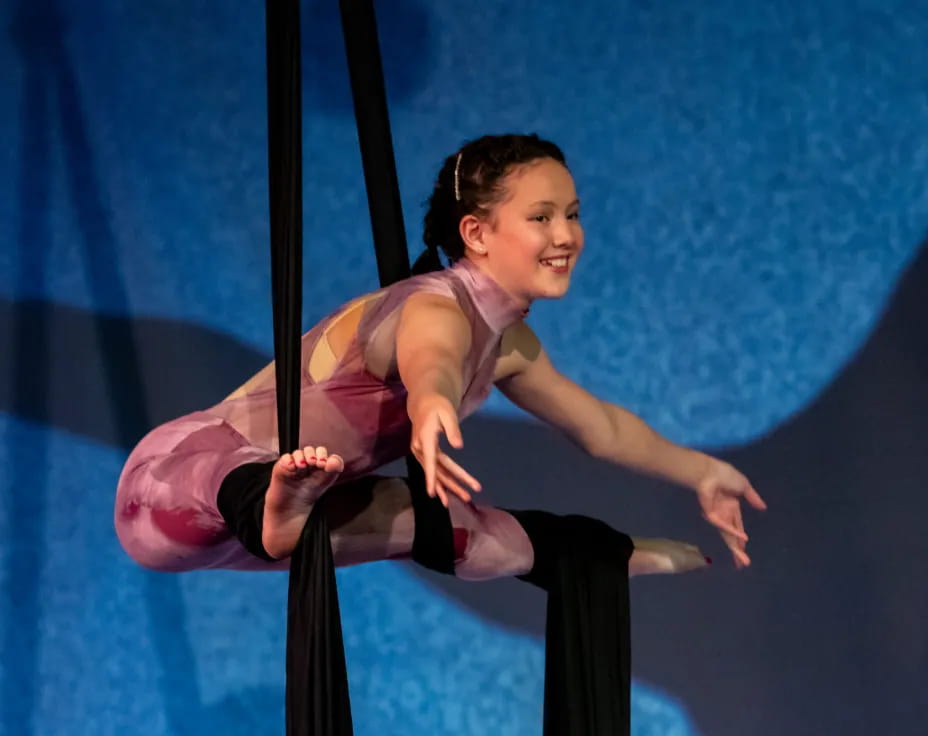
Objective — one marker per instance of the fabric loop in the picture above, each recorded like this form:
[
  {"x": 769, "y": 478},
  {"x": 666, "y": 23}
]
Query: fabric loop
[
  {"x": 583, "y": 565},
  {"x": 433, "y": 543}
]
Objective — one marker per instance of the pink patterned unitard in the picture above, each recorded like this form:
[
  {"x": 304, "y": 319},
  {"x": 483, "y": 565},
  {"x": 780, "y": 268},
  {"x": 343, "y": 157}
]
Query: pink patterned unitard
[{"x": 166, "y": 514}]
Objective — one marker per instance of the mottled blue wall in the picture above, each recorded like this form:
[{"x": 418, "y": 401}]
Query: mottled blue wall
[{"x": 753, "y": 184}]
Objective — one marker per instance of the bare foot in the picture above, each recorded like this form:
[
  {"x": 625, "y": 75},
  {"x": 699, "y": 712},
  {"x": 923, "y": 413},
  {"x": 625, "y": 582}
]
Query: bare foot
[
  {"x": 652, "y": 556},
  {"x": 297, "y": 481}
]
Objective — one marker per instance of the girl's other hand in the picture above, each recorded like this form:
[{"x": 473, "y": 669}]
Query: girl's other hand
[{"x": 720, "y": 493}]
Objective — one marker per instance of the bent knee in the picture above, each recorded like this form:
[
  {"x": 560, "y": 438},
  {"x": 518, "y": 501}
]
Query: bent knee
[
  {"x": 495, "y": 546},
  {"x": 169, "y": 540}
]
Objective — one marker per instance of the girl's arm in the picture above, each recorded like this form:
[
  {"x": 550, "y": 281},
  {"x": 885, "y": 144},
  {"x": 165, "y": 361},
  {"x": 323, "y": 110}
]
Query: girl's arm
[
  {"x": 432, "y": 340},
  {"x": 526, "y": 376},
  {"x": 606, "y": 431}
]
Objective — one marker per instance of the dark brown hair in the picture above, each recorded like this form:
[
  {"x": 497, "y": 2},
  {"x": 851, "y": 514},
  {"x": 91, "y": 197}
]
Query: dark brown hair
[{"x": 484, "y": 163}]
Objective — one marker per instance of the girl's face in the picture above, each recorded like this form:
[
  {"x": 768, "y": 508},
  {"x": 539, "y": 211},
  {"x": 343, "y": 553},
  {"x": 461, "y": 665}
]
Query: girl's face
[{"x": 531, "y": 241}]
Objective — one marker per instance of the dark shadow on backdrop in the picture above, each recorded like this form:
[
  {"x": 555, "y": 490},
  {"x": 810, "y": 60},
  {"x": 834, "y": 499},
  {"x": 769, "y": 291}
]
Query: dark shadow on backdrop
[
  {"x": 44, "y": 383},
  {"x": 28, "y": 335}
]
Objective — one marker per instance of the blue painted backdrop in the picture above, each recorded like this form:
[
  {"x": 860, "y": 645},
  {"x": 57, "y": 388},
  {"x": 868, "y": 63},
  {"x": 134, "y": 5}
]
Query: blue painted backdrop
[{"x": 753, "y": 184}]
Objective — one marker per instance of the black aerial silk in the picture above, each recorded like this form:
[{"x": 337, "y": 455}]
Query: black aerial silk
[
  {"x": 580, "y": 562},
  {"x": 317, "y": 679}
]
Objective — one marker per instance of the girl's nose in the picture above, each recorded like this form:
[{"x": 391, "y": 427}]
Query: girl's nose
[{"x": 563, "y": 235}]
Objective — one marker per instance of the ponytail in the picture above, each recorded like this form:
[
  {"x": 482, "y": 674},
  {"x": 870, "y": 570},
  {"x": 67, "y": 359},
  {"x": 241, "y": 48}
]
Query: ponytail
[{"x": 427, "y": 262}]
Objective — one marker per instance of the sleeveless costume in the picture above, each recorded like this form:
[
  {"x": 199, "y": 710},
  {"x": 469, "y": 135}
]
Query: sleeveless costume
[{"x": 166, "y": 513}]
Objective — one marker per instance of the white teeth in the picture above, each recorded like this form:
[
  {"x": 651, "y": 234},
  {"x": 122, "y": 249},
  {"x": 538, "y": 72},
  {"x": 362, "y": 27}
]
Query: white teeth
[{"x": 556, "y": 262}]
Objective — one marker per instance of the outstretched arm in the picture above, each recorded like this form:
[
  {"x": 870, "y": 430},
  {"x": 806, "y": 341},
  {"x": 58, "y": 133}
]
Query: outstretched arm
[
  {"x": 606, "y": 431},
  {"x": 432, "y": 339},
  {"x": 609, "y": 432}
]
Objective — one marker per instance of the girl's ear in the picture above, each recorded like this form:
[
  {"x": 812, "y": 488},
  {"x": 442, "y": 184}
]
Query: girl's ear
[{"x": 472, "y": 233}]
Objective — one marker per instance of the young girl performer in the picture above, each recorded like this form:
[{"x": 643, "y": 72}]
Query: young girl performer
[{"x": 395, "y": 369}]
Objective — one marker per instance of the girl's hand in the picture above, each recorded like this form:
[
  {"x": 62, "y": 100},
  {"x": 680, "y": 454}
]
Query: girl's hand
[
  {"x": 433, "y": 416},
  {"x": 720, "y": 493}
]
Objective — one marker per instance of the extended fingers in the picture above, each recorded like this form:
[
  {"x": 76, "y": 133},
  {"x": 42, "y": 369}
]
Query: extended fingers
[
  {"x": 733, "y": 534},
  {"x": 726, "y": 526},
  {"x": 449, "y": 483},
  {"x": 737, "y": 545},
  {"x": 723, "y": 511},
  {"x": 429, "y": 458},
  {"x": 753, "y": 498},
  {"x": 457, "y": 471},
  {"x": 737, "y": 548},
  {"x": 441, "y": 492},
  {"x": 741, "y": 558},
  {"x": 425, "y": 447},
  {"x": 449, "y": 423},
  {"x": 434, "y": 460},
  {"x": 425, "y": 452}
]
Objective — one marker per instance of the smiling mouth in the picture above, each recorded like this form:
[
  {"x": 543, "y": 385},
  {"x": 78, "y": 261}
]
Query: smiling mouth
[{"x": 556, "y": 263}]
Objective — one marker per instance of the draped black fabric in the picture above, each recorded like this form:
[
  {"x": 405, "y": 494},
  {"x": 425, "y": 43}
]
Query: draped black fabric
[
  {"x": 582, "y": 563},
  {"x": 285, "y": 187},
  {"x": 434, "y": 537},
  {"x": 359, "y": 27},
  {"x": 317, "y": 678},
  {"x": 241, "y": 502},
  {"x": 317, "y": 701},
  {"x": 433, "y": 542},
  {"x": 317, "y": 683}
]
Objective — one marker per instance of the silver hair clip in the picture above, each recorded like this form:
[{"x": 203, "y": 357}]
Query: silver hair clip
[{"x": 457, "y": 180}]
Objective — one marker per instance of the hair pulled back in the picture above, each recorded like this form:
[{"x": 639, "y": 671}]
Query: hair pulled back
[{"x": 481, "y": 165}]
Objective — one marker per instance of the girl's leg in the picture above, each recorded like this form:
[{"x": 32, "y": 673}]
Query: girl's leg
[
  {"x": 167, "y": 517},
  {"x": 581, "y": 563},
  {"x": 166, "y": 514},
  {"x": 373, "y": 519}
]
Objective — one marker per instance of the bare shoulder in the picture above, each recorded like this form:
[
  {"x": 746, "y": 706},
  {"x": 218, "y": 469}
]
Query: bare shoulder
[
  {"x": 519, "y": 348},
  {"x": 423, "y": 309},
  {"x": 526, "y": 376},
  {"x": 426, "y": 300},
  {"x": 432, "y": 322}
]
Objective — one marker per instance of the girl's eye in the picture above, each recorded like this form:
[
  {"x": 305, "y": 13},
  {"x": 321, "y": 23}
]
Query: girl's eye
[
  {"x": 574, "y": 216},
  {"x": 540, "y": 218}
]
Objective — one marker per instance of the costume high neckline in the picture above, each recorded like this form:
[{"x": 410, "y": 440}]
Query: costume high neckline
[{"x": 497, "y": 306}]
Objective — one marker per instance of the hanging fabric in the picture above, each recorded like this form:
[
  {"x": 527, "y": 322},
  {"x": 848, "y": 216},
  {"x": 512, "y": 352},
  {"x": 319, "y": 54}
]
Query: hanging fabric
[
  {"x": 581, "y": 563},
  {"x": 368, "y": 91},
  {"x": 317, "y": 702}
]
